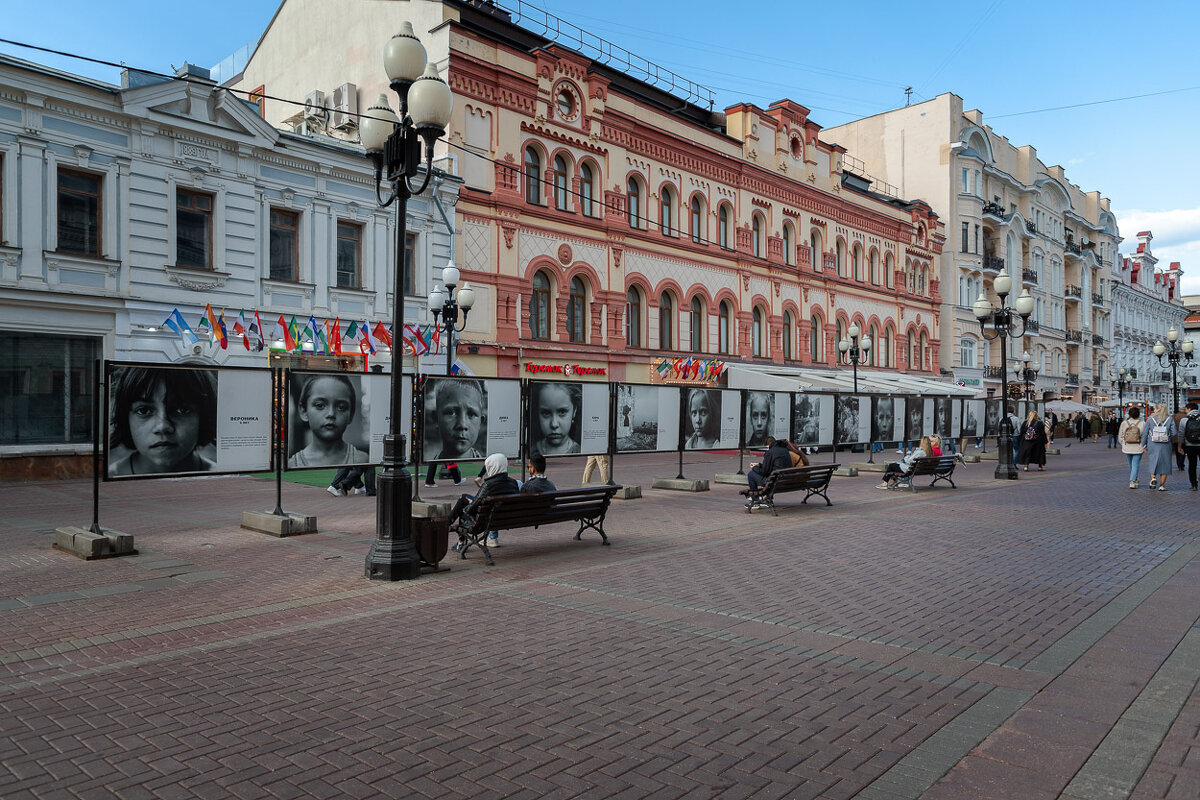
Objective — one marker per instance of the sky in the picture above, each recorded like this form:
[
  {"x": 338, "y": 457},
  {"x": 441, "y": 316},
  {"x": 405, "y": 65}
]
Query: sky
[{"x": 1108, "y": 90}]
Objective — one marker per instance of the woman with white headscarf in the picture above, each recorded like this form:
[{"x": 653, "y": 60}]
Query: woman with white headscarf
[{"x": 495, "y": 481}]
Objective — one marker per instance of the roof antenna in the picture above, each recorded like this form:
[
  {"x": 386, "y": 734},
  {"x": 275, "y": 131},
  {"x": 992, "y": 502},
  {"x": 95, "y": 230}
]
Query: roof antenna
[{"x": 907, "y": 96}]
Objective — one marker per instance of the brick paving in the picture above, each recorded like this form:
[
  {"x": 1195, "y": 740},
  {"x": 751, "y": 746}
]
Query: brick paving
[{"x": 1023, "y": 639}]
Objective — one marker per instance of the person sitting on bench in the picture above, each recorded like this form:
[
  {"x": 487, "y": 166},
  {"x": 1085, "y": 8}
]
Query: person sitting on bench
[
  {"x": 896, "y": 470},
  {"x": 495, "y": 481},
  {"x": 778, "y": 456},
  {"x": 538, "y": 482}
]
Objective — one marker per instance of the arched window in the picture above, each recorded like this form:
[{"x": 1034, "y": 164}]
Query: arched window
[
  {"x": 633, "y": 317},
  {"x": 872, "y": 354},
  {"x": 587, "y": 189},
  {"x": 634, "y": 188},
  {"x": 788, "y": 245},
  {"x": 815, "y": 335},
  {"x": 723, "y": 227},
  {"x": 756, "y": 236},
  {"x": 885, "y": 349},
  {"x": 856, "y": 260},
  {"x": 814, "y": 244},
  {"x": 967, "y": 352},
  {"x": 875, "y": 267},
  {"x": 789, "y": 335},
  {"x": 577, "y": 311},
  {"x": 533, "y": 176},
  {"x": 889, "y": 270},
  {"x": 561, "y": 178},
  {"x": 666, "y": 321},
  {"x": 840, "y": 258},
  {"x": 724, "y": 320},
  {"x": 756, "y": 333},
  {"x": 666, "y": 216},
  {"x": 841, "y": 336},
  {"x": 697, "y": 221},
  {"x": 539, "y": 307},
  {"x": 696, "y": 323}
]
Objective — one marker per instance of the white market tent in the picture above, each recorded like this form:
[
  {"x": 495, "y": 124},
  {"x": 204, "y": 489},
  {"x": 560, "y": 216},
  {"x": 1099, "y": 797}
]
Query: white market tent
[
  {"x": 1069, "y": 407},
  {"x": 816, "y": 379}
]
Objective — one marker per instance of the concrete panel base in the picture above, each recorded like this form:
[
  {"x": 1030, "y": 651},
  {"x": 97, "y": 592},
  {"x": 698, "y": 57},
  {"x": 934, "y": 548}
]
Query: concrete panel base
[
  {"x": 425, "y": 510},
  {"x": 626, "y": 492},
  {"x": 730, "y": 477},
  {"x": 288, "y": 525},
  {"x": 1053, "y": 451},
  {"x": 847, "y": 471},
  {"x": 971, "y": 458},
  {"x": 867, "y": 466},
  {"x": 83, "y": 543},
  {"x": 685, "y": 485},
  {"x": 991, "y": 455}
]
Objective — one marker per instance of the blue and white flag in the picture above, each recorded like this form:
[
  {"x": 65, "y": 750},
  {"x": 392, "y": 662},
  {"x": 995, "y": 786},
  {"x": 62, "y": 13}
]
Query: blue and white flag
[{"x": 176, "y": 322}]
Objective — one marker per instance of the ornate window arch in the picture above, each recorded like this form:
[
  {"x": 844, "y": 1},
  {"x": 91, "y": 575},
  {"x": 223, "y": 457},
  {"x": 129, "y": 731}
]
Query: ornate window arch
[
  {"x": 758, "y": 324},
  {"x": 724, "y": 223},
  {"x": 724, "y": 327},
  {"x": 635, "y": 196},
  {"x": 533, "y": 175},
  {"x": 696, "y": 223},
  {"x": 562, "y": 183},
  {"x": 840, "y": 257},
  {"x": 756, "y": 235},
  {"x": 789, "y": 244},
  {"x": 697, "y": 324},
  {"x": 587, "y": 189},
  {"x": 539, "y": 306},
  {"x": 634, "y": 307},
  {"x": 666, "y": 321},
  {"x": 577, "y": 311},
  {"x": 816, "y": 339},
  {"x": 666, "y": 211},
  {"x": 856, "y": 261}
]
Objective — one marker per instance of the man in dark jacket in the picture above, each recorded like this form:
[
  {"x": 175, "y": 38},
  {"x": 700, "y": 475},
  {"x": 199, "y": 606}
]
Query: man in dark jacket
[
  {"x": 538, "y": 482},
  {"x": 777, "y": 457},
  {"x": 1189, "y": 440}
]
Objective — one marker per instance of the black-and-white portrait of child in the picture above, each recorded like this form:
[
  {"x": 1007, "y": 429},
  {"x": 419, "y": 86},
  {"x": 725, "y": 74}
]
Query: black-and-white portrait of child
[
  {"x": 806, "y": 419},
  {"x": 941, "y": 416},
  {"x": 846, "y": 421},
  {"x": 883, "y": 420},
  {"x": 555, "y": 418},
  {"x": 970, "y": 417},
  {"x": 991, "y": 418},
  {"x": 327, "y": 425},
  {"x": 702, "y": 420},
  {"x": 914, "y": 423},
  {"x": 456, "y": 419},
  {"x": 759, "y": 417},
  {"x": 163, "y": 420}
]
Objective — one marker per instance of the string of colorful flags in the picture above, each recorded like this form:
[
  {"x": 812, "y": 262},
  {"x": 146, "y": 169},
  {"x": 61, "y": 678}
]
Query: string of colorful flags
[
  {"x": 326, "y": 337},
  {"x": 706, "y": 369}
]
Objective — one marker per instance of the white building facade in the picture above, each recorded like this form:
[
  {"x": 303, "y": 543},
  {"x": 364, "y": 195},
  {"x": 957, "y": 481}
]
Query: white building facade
[
  {"x": 119, "y": 204},
  {"x": 1146, "y": 304}
]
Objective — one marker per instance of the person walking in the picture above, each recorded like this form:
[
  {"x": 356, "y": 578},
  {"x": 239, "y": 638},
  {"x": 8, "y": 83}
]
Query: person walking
[
  {"x": 1158, "y": 437},
  {"x": 1111, "y": 427},
  {"x": 1081, "y": 426},
  {"x": 1096, "y": 426},
  {"x": 1033, "y": 442},
  {"x": 599, "y": 460},
  {"x": 1130, "y": 436},
  {"x": 1189, "y": 440},
  {"x": 1178, "y": 417},
  {"x": 1051, "y": 424}
]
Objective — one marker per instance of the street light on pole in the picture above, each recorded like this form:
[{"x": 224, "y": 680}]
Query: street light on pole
[
  {"x": 1027, "y": 373},
  {"x": 1004, "y": 324},
  {"x": 854, "y": 352},
  {"x": 445, "y": 303},
  {"x": 393, "y": 141},
  {"x": 1174, "y": 352},
  {"x": 1120, "y": 381}
]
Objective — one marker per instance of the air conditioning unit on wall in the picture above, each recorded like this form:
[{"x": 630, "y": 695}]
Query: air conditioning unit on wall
[
  {"x": 345, "y": 107},
  {"x": 314, "y": 106}
]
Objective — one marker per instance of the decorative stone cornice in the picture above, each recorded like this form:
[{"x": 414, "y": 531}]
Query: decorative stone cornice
[{"x": 198, "y": 280}]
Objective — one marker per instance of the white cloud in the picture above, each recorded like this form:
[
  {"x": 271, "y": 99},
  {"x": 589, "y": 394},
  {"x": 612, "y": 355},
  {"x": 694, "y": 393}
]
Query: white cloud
[{"x": 1176, "y": 238}]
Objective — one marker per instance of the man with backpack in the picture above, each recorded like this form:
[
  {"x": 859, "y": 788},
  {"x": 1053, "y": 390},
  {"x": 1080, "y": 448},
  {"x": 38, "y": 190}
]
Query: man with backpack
[{"x": 1189, "y": 440}]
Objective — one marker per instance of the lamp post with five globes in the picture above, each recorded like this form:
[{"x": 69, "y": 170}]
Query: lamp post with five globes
[
  {"x": 445, "y": 303},
  {"x": 854, "y": 351},
  {"x": 1174, "y": 351},
  {"x": 1027, "y": 373},
  {"x": 1004, "y": 324}
]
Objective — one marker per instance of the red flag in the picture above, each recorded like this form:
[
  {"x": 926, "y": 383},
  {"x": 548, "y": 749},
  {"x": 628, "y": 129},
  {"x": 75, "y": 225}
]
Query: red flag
[
  {"x": 382, "y": 334},
  {"x": 335, "y": 335},
  {"x": 288, "y": 341}
]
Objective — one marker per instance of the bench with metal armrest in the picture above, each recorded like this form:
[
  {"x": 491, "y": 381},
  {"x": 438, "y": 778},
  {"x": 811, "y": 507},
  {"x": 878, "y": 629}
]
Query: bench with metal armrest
[{"x": 812, "y": 480}]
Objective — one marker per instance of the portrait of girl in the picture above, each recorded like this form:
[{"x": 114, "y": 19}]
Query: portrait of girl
[
  {"x": 555, "y": 419},
  {"x": 703, "y": 414},
  {"x": 325, "y": 406},
  {"x": 166, "y": 418},
  {"x": 760, "y": 411}
]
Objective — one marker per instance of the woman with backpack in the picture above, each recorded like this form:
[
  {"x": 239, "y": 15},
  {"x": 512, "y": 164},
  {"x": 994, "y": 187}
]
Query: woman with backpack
[
  {"x": 1130, "y": 437},
  {"x": 1159, "y": 440},
  {"x": 1032, "y": 437}
]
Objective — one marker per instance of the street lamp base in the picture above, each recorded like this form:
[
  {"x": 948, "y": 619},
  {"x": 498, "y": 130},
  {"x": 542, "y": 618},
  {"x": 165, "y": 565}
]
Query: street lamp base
[
  {"x": 1006, "y": 469},
  {"x": 393, "y": 555}
]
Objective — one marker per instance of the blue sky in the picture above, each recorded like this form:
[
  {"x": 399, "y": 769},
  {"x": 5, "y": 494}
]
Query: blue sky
[{"x": 1010, "y": 59}]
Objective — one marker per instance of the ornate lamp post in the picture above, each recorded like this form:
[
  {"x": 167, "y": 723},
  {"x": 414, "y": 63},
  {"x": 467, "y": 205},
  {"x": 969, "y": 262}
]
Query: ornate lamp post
[
  {"x": 1174, "y": 352},
  {"x": 1004, "y": 324},
  {"x": 1120, "y": 381},
  {"x": 394, "y": 144},
  {"x": 1027, "y": 373},
  {"x": 854, "y": 352},
  {"x": 445, "y": 303}
]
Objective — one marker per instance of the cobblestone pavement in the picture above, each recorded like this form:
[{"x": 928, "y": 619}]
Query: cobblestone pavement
[{"x": 1006, "y": 639}]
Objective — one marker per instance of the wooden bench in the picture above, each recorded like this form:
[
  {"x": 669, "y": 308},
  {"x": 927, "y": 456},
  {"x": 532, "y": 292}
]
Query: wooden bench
[
  {"x": 940, "y": 467},
  {"x": 813, "y": 480},
  {"x": 507, "y": 512}
]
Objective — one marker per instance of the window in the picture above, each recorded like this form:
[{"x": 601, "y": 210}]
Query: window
[
  {"x": 635, "y": 202},
  {"x": 884, "y": 348},
  {"x": 576, "y": 311},
  {"x": 666, "y": 217},
  {"x": 78, "y": 213},
  {"x": 889, "y": 270},
  {"x": 789, "y": 335},
  {"x": 977, "y": 235},
  {"x": 840, "y": 258},
  {"x": 566, "y": 104},
  {"x": 539, "y": 307},
  {"x": 814, "y": 339},
  {"x": 561, "y": 176},
  {"x": 966, "y": 180},
  {"x": 697, "y": 221},
  {"x": 872, "y": 354},
  {"x": 284, "y": 245},
  {"x": 587, "y": 190},
  {"x": 696, "y": 323},
  {"x": 967, "y": 356},
  {"x": 814, "y": 243},
  {"x": 756, "y": 332},
  {"x": 756, "y": 234},
  {"x": 875, "y": 267},
  {"x": 788, "y": 246},
  {"x": 633, "y": 317},
  {"x": 966, "y": 237},
  {"x": 349, "y": 255},
  {"x": 666, "y": 322},
  {"x": 856, "y": 259},
  {"x": 723, "y": 227},
  {"x": 193, "y": 229},
  {"x": 724, "y": 316},
  {"x": 533, "y": 176},
  {"x": 48, "y": 385},
  {"x": 410, "y": 249}
]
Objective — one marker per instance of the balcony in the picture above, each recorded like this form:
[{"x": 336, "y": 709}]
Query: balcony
[
  {"x": 992, "y": 263},
  {"x": 1032, "y": 326},
  {"x": 1098, "y": 299},
  {"x": 1097, "y": 340},
  {"x": 1029, "y": 276},
  {"x": 1072, "y": 249},
  {"x": 990, "y": 371},
  {"x": 1074, "y": 335},
  {"x": 1073, "y": 293},
  {"x": 1029, "y": 226},
  {"x": 995, "y": 210},
  {"x": 1072, "y": 379}
]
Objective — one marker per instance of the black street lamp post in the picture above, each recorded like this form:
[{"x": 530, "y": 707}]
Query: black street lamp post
[
  {"x": 1027, "y": 373},
  {"x": 1004, "y": 324},
  {"x": 394, "y": 145},
  {"x": 445, "y": 303},
  {"x": 1120, "y": 381},
  {"x": 1174, "y": 351},
  {"x": 854, "y": 352}
]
